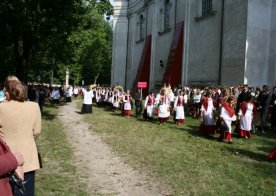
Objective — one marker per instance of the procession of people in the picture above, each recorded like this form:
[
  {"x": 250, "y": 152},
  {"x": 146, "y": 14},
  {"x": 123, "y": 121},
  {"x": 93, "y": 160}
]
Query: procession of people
[
  {"x": 249, "y": 109},
  {"x": 240, "y": 111},
  {"x": 244, "y": 108},
  {"x": 236, "y": 110}
]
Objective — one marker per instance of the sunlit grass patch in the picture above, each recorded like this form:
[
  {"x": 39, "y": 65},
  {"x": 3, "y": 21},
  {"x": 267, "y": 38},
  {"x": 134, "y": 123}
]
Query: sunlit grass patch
[
  {"x": 190, "y": 163},
  {"x": 58, "y": 176}
]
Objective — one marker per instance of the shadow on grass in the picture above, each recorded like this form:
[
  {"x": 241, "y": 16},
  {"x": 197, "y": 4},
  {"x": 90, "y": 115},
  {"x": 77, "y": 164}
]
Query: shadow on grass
[
  {"x": 48, "y": 116},
  {"x": 267, "y": 149},
  {"x": 116, "y": 114},
  {"x": 141, "y": 120},
  {"x": 55, "y": 105},
  {"x": 268, "y": 134},
  {"x": 171, "y": 122},
  {"x": 193, "y": 130},
  {"x": 266, "y": 142},
  {"x": 250, "y": 154},
  {"x": 51, "y": 106},
  {"x": 119, "y": 114}
]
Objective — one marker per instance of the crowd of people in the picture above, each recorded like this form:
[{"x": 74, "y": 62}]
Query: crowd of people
[
  {"x": 241, "y": 109},
  {"x": 205, "y": 103},
  {"x": 245, "y": 108}
]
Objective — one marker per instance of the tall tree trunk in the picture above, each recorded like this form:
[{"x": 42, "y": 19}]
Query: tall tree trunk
[
  {"x": 18, "y": 51},
  {"x": 22, "y": 46}
]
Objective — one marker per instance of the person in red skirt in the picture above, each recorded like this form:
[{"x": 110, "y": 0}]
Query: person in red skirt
[
  {"x": 149, "y": 106},
  {"x": 208, "y": 105},
  {"x": 179, "y": 108},
  {"x": 163, "y": 107},
  {"x": 227, "y": 115},
  {"x": 127, "y": 104},
  {"x": 245, "y": 113}
]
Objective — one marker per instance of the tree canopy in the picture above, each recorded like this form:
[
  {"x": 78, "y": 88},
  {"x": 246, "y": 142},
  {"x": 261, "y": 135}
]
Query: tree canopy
[{"x": 41, "y": 37}]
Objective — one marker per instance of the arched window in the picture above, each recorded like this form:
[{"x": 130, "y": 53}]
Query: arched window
[
  {"x": 141, "y": 27},
  {"x": 167, "y": 7},
  {"x": 206, "y": 7}
]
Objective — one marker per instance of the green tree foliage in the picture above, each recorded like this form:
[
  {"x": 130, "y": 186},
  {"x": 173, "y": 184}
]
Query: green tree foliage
[
  {"x": 93, "y": 51},
  {"x": 41, "y": 36}
]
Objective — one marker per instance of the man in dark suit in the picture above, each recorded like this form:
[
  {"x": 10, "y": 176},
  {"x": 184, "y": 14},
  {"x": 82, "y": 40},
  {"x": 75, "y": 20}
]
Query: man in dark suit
[
  {"x": 241, "y": 97},
  {"x": 265, "y": 101},
  {"x": 138, "y": 103}
]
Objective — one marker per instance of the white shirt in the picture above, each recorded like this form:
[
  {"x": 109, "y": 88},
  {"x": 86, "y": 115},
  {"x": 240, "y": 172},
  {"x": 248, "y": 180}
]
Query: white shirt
[
  {"x": 87, "y": 97},
  {"x": 171, "y": 97},
  {"x": 185, "y": 98},
  {"x": 197, "y": 98},
  {"x": 55, "y": 94},
  {"x": 76, "y": 91}
]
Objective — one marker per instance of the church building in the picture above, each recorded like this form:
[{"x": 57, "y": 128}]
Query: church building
[{"x": 194, "y": 42}]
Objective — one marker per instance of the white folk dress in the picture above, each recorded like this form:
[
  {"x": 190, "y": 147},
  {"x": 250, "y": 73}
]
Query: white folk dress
[
  {"x": 208, "y": 115},
  {"x": 127, "y": 104},
  {"x": 149, "y": 105},
  {"x": 179, "y": 107},
  {"x": 163, "y": 108},
  {"x": 227, "y": 119},
  {"x": 246, "y": 119}
]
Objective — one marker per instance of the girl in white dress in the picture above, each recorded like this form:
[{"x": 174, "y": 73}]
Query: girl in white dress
[
  {"x": 127, "y": 104},
  {"x": 246, "y": 117},
  {"x": 207, "y": 114},
  {"x": 163, "y": 107},
  {"x": 227, "y": 115},
  {"x": 149, "y": 105},
  {"x": 179, "y": 108}
]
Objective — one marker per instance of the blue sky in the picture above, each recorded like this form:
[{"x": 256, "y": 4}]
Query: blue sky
[{"x": 112, "y": 2}]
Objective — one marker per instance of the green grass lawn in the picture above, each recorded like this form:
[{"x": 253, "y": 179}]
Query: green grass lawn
[
  {"x": 58, "y": 176},
  {"x": 190, "y": 163}
]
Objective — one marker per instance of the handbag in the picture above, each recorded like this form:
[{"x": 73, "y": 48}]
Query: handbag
[{"x": 17, "y": 185}]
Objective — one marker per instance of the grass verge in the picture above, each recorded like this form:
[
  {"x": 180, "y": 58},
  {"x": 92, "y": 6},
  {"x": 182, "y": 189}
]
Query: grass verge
[
  {"x": 58, "y": 176},
  {"x": 190, "y": 163}
]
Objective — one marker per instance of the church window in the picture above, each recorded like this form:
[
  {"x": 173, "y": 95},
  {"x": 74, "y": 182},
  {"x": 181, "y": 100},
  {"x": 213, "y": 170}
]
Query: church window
[
  {"x": 167, "y": 14},
  {"x": 141, "y": 27},
  {"x": 204, "y": 10},
  {"x": 206, "y": 7}
]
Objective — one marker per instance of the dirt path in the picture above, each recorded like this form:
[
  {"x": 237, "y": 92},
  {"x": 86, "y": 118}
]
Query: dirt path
[{"x": 107, "y": 173}]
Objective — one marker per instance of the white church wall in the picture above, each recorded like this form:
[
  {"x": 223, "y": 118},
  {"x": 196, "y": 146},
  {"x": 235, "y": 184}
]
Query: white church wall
[
  {"x": 204, "y": 45},
  {"x": 119, "y": 52},
  {"x": 234, "y": 42},
  {"x": 258, "y": 39},
  {"x": 163, "y": 44},
  {"x": 180, "y": 10},
  {"x": 131, "y": 63},
  {"x": 135, "y": 42},
  {"x": 272, "y": 54},
  {"x": 248, "y": 48},
  {"x": 153, "y": 30},
  {"x": 150, "y": 14},
  {"x": 162, "y": 39}
]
